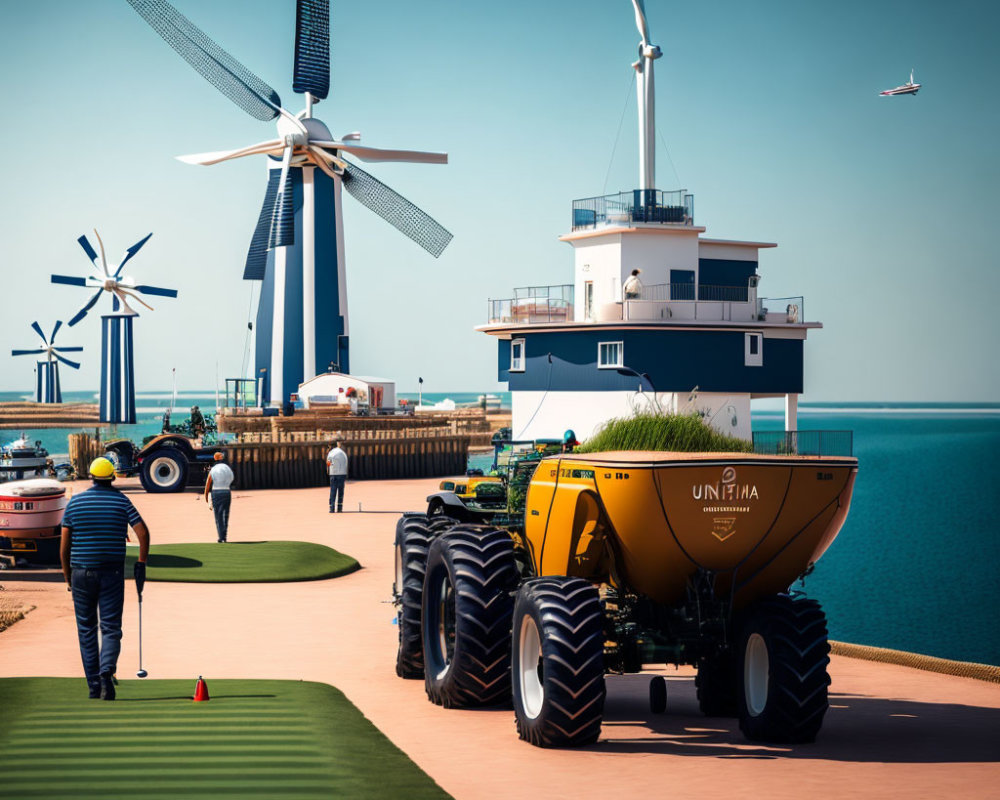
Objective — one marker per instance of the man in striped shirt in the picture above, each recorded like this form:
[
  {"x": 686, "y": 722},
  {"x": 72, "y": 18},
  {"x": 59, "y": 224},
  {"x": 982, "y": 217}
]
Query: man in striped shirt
[{"x": 94, "y": 530}]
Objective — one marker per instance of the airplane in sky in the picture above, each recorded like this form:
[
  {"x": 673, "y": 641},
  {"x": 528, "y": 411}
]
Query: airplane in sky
[{"x": 907, "y": 88}]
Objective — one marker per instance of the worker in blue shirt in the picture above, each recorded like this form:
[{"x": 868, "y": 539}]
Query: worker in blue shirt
[{"x": 94, "y": 529}]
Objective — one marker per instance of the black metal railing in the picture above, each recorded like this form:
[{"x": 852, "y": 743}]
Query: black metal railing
[
  {"x": 640, "y": 205},
  {"x": 804, "y": 443}
]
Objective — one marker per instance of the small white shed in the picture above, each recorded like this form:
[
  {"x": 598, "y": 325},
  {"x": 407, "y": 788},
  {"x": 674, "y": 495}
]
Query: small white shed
[{"x": 335, "y": 388}]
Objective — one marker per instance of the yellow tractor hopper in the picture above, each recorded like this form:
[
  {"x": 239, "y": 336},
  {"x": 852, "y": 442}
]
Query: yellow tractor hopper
[{"x": 647, "y": 522}]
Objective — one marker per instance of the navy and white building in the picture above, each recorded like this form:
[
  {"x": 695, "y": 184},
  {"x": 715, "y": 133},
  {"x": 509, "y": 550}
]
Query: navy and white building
[{"x": 697, "y": 338}]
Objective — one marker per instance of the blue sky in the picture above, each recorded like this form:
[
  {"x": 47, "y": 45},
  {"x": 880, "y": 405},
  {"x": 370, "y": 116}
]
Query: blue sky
[{"x": 883, "y": 209}]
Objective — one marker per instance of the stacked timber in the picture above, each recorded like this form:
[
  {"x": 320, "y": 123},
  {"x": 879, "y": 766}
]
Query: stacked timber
[
  {"x": 298, "y": 464},
  {"x": 32, "y": 416},
  {"x": 83, "y": 448}
]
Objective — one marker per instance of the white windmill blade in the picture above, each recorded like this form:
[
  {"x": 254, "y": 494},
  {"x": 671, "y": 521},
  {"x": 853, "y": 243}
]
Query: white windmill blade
[
  {"x": 640, "y": 20},
  {"x": 104, "y": 258},
  {"x": 379, "y": 154},
  {"x": 272, "y": 147}
]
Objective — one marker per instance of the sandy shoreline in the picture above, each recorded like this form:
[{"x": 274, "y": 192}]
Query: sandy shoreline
[{"x": 899, "y": 730}]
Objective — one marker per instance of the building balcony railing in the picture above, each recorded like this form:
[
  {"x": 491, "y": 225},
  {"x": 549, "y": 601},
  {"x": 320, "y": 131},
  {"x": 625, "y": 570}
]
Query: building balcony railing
[
  {"x": 655, "y": 303},
  {"x": 532, "y": 304},
  {"x": 804, "y": 443},
  {"x": 649, "y": 206}
]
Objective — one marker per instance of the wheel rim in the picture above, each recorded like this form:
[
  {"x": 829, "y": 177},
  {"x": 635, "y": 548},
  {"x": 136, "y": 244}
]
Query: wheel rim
[
  {"x": 530, "y": 672},
  {"x": 164, "y": 471},
  {"x": 756, "y": 669},
  {"x": 446, "y": 626}
]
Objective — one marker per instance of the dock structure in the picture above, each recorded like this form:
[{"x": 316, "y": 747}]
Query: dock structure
[{"x": 32, "y": 416}]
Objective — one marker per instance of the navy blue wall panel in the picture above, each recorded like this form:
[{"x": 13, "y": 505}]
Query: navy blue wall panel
[{"x": 676, "y": 360}]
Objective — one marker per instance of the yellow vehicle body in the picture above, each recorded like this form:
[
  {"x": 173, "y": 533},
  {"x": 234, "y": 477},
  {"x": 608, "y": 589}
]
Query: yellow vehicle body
[
  {"x": 465, "y": 488},
  {"x": 647, "y": 521}
]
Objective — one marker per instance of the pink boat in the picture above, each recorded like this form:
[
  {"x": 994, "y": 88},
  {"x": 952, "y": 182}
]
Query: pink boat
[{"x": 30, "y": 515}]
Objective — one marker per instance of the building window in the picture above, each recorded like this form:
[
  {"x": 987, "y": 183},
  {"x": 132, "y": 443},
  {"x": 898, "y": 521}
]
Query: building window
[
  {"x": 517, "y": 355},
  {"x": 753, "y": 349},
  {"x": 610, "y": 355}
]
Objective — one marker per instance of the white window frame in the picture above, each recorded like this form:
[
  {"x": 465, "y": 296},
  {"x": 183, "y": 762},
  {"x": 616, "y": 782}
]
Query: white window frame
[
  {"x": 621, "y": 355},
  {"x": 516, "y": 365},
  {"x": 753, "y": 359}
]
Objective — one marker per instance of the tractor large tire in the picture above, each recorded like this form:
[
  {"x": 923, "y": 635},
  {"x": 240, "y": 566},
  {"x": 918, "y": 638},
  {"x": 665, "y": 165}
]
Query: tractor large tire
[
  {"x": 467, "y": 606},
  {"x": 164, "y": 470},
  {"x": 717, "y": 686},
  {"x": 413, "y": 537},
  {"x": 782, "y": 671},
  {"x": 557, "y": 648}
]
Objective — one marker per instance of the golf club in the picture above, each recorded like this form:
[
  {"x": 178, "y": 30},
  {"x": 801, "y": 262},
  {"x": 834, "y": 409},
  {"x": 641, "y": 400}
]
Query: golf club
[{"x": 141, "y": 673}]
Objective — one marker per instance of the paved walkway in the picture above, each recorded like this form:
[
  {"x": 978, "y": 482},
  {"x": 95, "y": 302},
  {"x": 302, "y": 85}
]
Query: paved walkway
[{"x": 891, "y": 731}]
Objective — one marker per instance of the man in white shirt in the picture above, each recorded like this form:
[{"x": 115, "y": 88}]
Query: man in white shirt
[
  {"x": 336, "y": 467},
  {"x": 219, "y": 483},
  {"x": 632, "y": 287}
]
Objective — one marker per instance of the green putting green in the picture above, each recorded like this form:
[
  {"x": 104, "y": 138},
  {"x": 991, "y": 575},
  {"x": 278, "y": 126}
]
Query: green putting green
[
  {"x": 243, "y": 562},
  {"x": 268, "y": 739}
]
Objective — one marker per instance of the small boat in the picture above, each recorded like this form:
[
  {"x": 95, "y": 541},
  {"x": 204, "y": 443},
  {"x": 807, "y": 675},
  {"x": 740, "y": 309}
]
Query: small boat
[
  {"x": 31, "y": 513},
  {"x": 23, "y": 458}
]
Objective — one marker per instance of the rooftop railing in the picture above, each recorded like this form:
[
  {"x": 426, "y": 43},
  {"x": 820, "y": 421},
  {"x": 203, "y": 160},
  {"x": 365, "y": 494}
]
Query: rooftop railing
[
  {"x": 650, "y": 206},
  {"x": 804, "y": 443}
]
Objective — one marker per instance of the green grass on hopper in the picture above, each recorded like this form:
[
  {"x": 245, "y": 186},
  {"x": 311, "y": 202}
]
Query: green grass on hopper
[
  {"x": 243, "y": 562},
  {"x": 264, "y": 739}
]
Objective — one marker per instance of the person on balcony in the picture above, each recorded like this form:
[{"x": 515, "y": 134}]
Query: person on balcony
[{"x": 632, "y": 287}]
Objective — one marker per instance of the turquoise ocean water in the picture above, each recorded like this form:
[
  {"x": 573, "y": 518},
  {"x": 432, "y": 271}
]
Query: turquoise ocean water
[{"x": 917, "y": 565}]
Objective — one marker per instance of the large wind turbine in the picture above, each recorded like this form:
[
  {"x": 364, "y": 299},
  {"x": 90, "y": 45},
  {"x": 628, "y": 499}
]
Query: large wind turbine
[
  {"x": 47, "y": 388},
  {"x": 648, "y": 53},
  {"x": 117, "y": 361},
  {"x": 297, "y": 248}
]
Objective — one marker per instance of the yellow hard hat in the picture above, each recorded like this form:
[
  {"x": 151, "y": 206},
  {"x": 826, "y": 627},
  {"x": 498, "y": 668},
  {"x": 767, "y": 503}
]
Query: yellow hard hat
[{"x": 102, "y": 468}]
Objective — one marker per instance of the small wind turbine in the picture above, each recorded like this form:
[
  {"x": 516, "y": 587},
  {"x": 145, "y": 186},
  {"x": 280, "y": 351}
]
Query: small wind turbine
[
  {"x": 117, "y": 361},
  {"x": 47, "y": 389},
  {"x": 103, "y": 280}
]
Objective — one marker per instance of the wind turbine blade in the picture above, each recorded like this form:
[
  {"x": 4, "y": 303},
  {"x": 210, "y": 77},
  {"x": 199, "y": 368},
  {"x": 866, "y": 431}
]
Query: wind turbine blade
[
  {"x": 91, "y": 253},
  {"x": 142, "y": 289},
  {"x": 39, "y": 352},
  {"x": 131, "y": 252},
  {"x": 38, "y": 330},
  {"x": 640, "y": 20},
  {"x": 312, "y": 48},
  {"x": 115, "y": 303},
  {"x": 272, "y": 146},
  {"x": 219, "y": 68},
  {"x": 83, "y": 311},
  {"x": 256, "y": 262},
  {"x": 67, "y": 349},
  {"x": 396, "y": 210},
  {"x": 67, "y": 362},
  {"x": 70, "y": 280},
  {"x": 120, "y": 296},
  {"x": 378, "y": 154},
  {"x": 55, "y": 328},
  {"x": 104, "y": 260},
  {"x": 283, "y": 218},
  {"x": 127, "y": 293}
]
